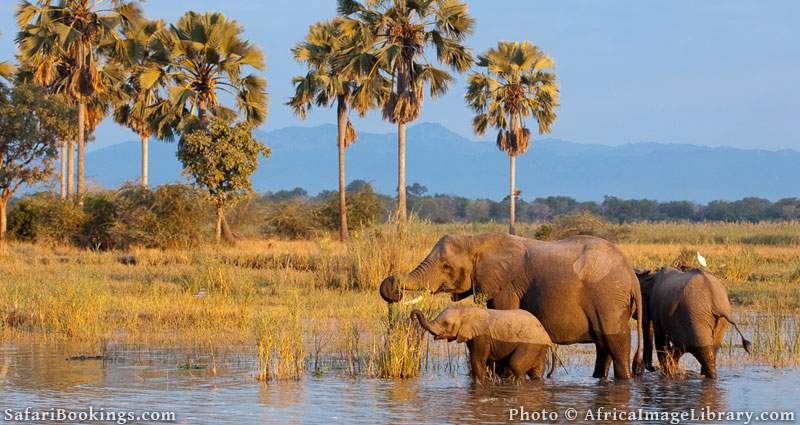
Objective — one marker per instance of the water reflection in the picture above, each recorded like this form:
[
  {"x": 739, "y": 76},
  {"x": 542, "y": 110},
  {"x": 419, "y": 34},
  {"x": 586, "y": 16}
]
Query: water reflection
[{"x": 39, "y": 377}]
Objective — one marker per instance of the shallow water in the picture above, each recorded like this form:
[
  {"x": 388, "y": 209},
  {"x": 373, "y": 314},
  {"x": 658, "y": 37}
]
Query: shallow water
[{"x": 39, "y": 377}]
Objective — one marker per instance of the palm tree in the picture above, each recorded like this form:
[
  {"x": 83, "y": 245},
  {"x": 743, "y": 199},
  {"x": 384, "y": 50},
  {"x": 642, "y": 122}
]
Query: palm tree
[
  {"x": 136, "y": 106},
  {"x": 65, "y": 42},
  {"x": 515, "y": 86},
  {"x": 204, "y": 56},
  {"x": 325, "y": 85},
  {"x": 392, "y": 38}
]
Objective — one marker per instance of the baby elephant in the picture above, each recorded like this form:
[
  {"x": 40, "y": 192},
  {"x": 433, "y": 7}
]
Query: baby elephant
[
  {"x": 513, "y": 339},
  {"x": 686, "y": 312}
]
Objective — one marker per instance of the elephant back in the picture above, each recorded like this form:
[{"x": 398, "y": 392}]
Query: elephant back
[{"x": 517, "y": 326}]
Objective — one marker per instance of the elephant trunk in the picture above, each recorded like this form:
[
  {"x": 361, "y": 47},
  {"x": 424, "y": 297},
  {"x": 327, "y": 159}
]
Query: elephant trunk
[
  {"x": 392, "y": 287},
  {"x": 416, "y": 314}
]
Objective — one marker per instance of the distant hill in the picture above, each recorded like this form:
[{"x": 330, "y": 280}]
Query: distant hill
[{"x": 446, "y": 162}]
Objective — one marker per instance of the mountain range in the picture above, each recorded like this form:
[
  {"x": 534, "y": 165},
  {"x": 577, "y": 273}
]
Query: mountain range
[{"x": 448, "y": 163}]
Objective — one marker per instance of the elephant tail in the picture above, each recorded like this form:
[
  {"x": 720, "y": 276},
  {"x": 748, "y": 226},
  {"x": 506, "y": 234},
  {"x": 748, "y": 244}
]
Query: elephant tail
[
  {"x": 745, "y": 343},
  {"x": 555, "y": 360},
  {"x": 638, "y": 364}
]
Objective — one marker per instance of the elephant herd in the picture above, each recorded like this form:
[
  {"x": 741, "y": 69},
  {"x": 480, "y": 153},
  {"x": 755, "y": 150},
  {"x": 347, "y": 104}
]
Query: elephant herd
[{"x": 578, "y": 290}]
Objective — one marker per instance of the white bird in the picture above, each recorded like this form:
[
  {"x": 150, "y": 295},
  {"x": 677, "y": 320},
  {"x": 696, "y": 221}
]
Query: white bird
[
  {"x": 701, "y": 260},
  {"x": 201, "y": 294}
]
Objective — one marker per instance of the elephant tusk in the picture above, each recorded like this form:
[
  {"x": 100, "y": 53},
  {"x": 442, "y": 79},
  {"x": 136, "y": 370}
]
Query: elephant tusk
[{"x": 415, "y": 300}]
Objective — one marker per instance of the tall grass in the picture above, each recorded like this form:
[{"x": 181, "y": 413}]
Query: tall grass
[
  {"x": 311, "y": 306},
  {"x": 403, "y": 347},
  {"x": 281, "y": 352}
]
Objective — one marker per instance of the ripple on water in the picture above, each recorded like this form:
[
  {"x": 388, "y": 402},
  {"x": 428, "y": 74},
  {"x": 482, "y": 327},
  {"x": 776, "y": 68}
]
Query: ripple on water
[{"x": 40, "y": 378}]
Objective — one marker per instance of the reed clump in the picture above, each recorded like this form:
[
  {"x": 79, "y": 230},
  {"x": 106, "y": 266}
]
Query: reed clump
[
  {"x": 403, "y": 348},
  {"x": 281, "y": 352}
]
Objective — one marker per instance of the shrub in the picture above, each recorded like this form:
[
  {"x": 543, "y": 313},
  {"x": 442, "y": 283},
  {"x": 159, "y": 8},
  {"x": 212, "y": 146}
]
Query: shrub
[
  {"x": 291, "y": 220},
  {"x": 544, "y": 233},
  {"x": 100, "y": 213},
  {"x": 585, "y": 223},
  {"x": 364, "y": 208},
  {"x": 45, "y": 218},
  {"x": 172, "y": 216}
]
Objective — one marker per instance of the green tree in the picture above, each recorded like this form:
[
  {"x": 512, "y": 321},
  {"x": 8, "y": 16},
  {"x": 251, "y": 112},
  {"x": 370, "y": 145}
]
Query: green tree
[
  {"x": 67, "y": 44},
  {"x": 326, "y": 85},
  {"x": 222, "y": 158},
  {"x": 29, "y": 135},
  {"x": 204, "y": 56},
  {"x": 391, "y": 38},
  {"x": 363, "y": 207},
  {"x": 517, "y": 84},
  {"x": 139, "y": 95}
]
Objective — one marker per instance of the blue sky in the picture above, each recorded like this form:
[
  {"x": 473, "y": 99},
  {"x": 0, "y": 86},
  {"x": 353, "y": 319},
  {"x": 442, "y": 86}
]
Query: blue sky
[{"x": 712, "y": 72}]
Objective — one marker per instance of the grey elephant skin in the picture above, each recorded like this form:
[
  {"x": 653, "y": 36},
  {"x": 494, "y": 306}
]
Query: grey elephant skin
[
  {"x": 582, "y": 289},
  {"x": 513, "y": 340},
  {"x": 685, "y": 312}
]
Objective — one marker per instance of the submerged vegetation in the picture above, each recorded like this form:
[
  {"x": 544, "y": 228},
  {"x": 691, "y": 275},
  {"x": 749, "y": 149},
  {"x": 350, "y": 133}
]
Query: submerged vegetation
[{"x": 310, "y": 307}]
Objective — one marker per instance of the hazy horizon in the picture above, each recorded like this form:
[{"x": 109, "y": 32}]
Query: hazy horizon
[
  {"x": 716, "y": 73},
  {"x": 471, "y": 137}
]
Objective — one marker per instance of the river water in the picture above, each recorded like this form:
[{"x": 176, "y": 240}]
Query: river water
[{"x": 38, "y": 377}]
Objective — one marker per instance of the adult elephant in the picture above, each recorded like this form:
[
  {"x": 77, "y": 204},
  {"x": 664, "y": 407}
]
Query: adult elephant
[{"x": 582, "y": 288}]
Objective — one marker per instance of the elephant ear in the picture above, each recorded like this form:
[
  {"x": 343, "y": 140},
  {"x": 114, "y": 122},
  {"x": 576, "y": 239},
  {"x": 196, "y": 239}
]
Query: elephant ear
[
  {"x": 593, "y": 264},
  {"x": 474, "y": 322}
]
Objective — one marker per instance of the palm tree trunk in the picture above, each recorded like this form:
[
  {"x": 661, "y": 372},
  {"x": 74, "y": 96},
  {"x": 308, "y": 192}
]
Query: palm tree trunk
[
  {"x": 401, "y": 173},
  {"x": 512, "y": 213},
  {"x": 144, "y": 161},
  {"x": 81, "y": 150},
  {"x": 341, "y": 113},
  {"x": 63, "y": 170},
  {"x": 70, "y": 168}
]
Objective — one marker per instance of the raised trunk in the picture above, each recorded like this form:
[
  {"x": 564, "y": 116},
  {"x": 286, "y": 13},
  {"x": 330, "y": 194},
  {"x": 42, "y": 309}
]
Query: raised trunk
[
  {"x": 218, "y": 232},
  {"x": 81, "y": 153},
  {"x": 512, "y": 200},
  {"x": 63, "y": 170},
  {"x": 401, "y": 173},
  {"x": 423, "y": 321},
  {"x": 341, "y": 115},
  {"x": 144, "y": 161},
  {"x": 70, "y": 168}
]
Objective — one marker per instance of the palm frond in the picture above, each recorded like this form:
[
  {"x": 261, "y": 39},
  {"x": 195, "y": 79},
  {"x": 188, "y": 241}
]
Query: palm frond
[{"x": 518, "y": 83}]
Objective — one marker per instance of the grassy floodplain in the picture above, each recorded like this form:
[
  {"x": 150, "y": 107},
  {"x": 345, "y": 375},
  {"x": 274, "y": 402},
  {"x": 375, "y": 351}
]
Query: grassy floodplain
[{"x": 312, "y": 306}]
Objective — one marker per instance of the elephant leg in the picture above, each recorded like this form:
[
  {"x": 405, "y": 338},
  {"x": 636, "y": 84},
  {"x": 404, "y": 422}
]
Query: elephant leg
[
  {"x": 526, "y": 358},
  {"x": 619, "y": 346},
  {"x": 661, "y": 346},
  {"x": 708, "y": 361},
  {"x": 602, "y": 360},
  {"x": 478, "y": 357},
  {"x": 539, "y": 364}
]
